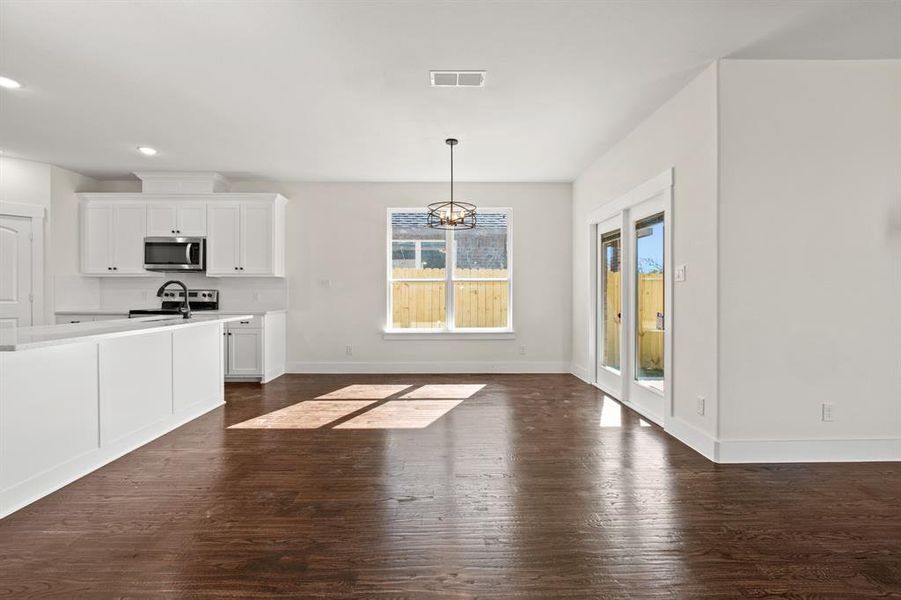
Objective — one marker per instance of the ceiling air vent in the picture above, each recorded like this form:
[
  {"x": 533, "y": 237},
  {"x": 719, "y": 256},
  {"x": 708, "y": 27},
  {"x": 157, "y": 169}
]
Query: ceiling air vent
[{"x": 457, "y": 78}]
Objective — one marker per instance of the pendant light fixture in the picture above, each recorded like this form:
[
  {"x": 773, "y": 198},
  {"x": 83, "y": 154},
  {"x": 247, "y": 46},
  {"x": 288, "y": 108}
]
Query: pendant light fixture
[{"x": 453, "y": 214}]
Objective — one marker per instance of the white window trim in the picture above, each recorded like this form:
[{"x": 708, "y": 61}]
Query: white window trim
[{"x": 449, "y": 331}]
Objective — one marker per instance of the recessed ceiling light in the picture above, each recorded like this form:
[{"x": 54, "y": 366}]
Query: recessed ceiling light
[
  {"x": 147, "y": 150},
  {"x": 10, "y": 84}
]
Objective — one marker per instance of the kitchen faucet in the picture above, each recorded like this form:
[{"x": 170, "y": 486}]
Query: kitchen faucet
[{"x": 185, "y": 309}]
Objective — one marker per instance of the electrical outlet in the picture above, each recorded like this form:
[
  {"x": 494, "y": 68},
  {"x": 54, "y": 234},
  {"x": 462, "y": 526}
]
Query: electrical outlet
[
  {"x": 349, "y": 350},
  {"x": 522, "y": 349},
  {"x": 828, "y": 412},
  {"x": 680, "y": 272},
  {"x": 700, "y": 405}
]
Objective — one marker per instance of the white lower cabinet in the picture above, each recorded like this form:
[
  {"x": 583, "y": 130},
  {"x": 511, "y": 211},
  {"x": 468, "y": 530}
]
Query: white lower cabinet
[
  {"x": 244, "y": 352},
  {"x": 254, "y": 348}
]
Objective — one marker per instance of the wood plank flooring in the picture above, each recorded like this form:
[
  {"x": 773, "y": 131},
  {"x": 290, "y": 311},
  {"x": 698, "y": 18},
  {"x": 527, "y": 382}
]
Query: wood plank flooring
[{"x": 517, "y": 492}]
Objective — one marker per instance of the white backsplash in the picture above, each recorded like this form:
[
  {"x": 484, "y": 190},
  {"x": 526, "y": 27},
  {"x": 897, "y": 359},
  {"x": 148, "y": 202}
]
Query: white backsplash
[{"x": 124, "y": 293}]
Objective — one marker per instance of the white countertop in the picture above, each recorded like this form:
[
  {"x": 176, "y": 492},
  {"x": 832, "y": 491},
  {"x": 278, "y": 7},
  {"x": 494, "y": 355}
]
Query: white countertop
[
  {"x": 124, "y": 311},
  {"x": 26, "y": 338}
]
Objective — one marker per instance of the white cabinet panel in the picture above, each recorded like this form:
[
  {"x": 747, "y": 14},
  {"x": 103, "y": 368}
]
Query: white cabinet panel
[
  {"x": 135, "y": 384},
  {"x": 48, "y": 410},
  {"x": 96, "y": 238},
  {"x": 176, "y": 219},
  {"x": 161, "y": 219},
  {"x": 128, "y": 239},
  {"x": 223, "y": 239},
  {"x": 191, "y": 219},
  {"x": 245, "y": 352},
  {"x": 196, "y": 371},
  {"x": 256, "y": 238},
  {"x": 112, "y": 238}
]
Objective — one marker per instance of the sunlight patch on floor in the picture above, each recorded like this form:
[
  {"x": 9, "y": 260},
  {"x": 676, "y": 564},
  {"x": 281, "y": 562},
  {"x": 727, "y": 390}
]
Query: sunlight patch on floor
[
  {"x": 401, "y": 414},
  {"x": 611, "y": 413},
  {"x": 310, "y": 414},
  {"x": 364, "y": 392},
  {"x": 445, "y": 390}
]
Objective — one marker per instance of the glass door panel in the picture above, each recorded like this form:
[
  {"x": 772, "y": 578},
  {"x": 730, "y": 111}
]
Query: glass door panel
[
  {"x": 610, "y": 285},
  {"x": 649, "y": 302}
]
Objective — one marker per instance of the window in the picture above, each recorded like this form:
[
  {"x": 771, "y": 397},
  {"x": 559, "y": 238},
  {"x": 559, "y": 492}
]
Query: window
[{"x": 443, "y": 281}]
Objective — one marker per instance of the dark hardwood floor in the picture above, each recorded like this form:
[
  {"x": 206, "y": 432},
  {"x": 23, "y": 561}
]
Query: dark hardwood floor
[{"x": 517, "y": 492}]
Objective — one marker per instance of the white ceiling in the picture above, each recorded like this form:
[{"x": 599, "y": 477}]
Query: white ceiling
[{"x": 340, "y": 90}]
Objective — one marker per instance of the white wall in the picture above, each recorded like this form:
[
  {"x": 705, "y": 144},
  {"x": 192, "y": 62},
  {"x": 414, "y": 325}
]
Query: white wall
[
  {"x": 67, "y": 288},
  {"x": 336, "y": 232},
  {"x": 682, "y": 135},
  {"x": 810, "y": 249}
]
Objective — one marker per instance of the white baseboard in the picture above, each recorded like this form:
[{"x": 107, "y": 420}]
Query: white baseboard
[
  {"x": 699, "y": 441},
  {"x": 430, "y": 367},
  {"x": 580, "y": 372},
  {"x": 788, "y": 451}
]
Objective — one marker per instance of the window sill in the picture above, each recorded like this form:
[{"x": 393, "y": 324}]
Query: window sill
[{"x": 413, "y": 334}]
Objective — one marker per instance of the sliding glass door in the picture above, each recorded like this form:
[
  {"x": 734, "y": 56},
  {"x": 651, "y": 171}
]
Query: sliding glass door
[{"x": 630, "y": 306}]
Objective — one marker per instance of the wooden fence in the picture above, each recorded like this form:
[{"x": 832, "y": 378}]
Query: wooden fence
[
  {"x": 422, "y": 304},
  {"x": 650, "y": 338}
]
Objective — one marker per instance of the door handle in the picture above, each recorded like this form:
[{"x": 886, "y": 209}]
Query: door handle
[{"x": 188, "y": 253}]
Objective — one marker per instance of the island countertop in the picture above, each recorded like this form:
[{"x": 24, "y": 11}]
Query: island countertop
[{"x": 42, "y": 336}]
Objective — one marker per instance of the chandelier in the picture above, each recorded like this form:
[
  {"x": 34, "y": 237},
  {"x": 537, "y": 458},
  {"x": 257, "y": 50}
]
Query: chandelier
[{"x": 453, "y": 214}]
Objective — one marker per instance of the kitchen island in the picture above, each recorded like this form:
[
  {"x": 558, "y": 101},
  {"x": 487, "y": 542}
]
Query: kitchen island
[{"x": 75, "y": 397}]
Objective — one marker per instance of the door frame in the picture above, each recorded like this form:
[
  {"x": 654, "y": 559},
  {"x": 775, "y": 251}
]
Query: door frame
[
  {"x": 37, "y": 214},
  {"x": 661, "y": 185}
]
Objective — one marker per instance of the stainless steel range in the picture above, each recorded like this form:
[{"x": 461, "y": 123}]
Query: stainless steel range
[{"x": 200, "y": 300}]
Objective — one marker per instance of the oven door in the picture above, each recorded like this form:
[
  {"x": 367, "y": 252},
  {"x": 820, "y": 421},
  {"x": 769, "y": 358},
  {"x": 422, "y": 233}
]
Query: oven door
[{"x": 174, "y": 254}]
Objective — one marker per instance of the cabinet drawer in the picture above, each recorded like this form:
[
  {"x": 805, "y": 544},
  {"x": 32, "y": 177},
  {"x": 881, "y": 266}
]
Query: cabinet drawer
[{"x": 255, "y": 322}]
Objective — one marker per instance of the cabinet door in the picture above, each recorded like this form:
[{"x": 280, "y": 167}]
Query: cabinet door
[
  {"x": 96, "y": 238},
  {"x": 128, "y": 239},
  {"x": 245, "y": 352},
  {"x": 191, "y": 219},
  {"x": 223, "y": 238},
  {"x": 256, "y": 238},
  {"x": 161, "y": 219}
]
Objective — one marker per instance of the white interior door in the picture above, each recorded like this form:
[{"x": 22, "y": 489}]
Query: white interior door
[
  {"x": 611, "y": 293},
  {"x": 646, "y": 301},
  {"x": 16, "y": 298}
]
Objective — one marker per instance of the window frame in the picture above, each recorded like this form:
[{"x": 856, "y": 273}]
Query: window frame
[{"x": 450, "y": 329}]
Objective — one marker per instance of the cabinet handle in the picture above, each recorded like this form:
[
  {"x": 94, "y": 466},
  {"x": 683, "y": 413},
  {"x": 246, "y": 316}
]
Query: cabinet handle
[
  {"x": 244, "y": 322},
  {"x": 171, "y": 231},
  {"x": 242, "y": 268}
]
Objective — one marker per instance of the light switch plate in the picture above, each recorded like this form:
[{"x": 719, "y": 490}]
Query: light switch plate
[{"x": 680, "y": 272}]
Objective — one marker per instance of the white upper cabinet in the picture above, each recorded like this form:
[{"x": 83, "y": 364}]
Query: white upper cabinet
[
  {"x": 223, "y": 244},
  {"x": 182, "y": 219},
  {"x": 129, "y": 226},
  {"x": 246, "y": 237},
  {"x": 245, "y": 233},
  {"x": 112, "y": 237}
]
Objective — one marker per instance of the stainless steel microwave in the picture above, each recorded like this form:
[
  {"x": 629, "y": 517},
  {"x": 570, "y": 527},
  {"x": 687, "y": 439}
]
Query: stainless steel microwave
[{"x": 175, "y": 253}]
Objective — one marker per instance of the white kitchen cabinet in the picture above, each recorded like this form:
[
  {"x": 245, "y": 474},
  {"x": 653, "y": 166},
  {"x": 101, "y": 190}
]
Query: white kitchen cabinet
[
  {"x": 223, "y": 244},
  {"x": 245, "y": 352},
  {"x": 246, "y": 237},
  {"x": 182, "y": 219},
  {"x": 112, "y": 238},
  {"x": 245, "y": 232},
  {"x": 254, "y": 348}
]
